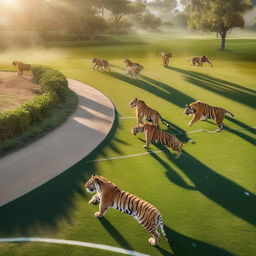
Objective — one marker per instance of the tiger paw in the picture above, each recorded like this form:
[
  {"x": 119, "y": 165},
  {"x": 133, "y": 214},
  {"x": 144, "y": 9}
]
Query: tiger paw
[
  {"x": 98, "y": 215},
  {"x": 145, "y": 146},
  {"x": 152, "y": 241},
  {"x": 91, "y": 202}
]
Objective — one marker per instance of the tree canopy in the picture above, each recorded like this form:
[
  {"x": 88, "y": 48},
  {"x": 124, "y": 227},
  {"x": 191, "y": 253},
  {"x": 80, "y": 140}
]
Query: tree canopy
[{"x": 217, "y": 15}]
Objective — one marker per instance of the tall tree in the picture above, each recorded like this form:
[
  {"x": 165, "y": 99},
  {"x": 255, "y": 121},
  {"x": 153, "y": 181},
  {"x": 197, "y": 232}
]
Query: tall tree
[
  {"x": 218, "y": 16},
  {"x": 121, "y": 8}
]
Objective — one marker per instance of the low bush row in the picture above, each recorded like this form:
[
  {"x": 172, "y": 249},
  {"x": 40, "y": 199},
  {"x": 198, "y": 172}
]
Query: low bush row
[{"x": 53, "y": 86}]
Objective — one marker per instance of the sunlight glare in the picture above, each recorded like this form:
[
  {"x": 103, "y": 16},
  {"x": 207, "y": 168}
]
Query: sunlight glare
[{"x": 8, "y": 1}]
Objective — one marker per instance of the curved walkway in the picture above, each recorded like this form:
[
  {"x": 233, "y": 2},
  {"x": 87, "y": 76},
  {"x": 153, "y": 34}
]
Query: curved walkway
[{"x": 30, "y": 167}]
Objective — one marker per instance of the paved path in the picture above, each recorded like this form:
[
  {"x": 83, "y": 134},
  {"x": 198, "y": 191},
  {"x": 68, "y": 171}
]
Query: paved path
[{"x": 30, "y": 167}]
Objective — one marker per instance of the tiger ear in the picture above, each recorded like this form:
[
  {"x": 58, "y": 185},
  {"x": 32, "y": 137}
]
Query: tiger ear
[{"x": 186, "y": 105}]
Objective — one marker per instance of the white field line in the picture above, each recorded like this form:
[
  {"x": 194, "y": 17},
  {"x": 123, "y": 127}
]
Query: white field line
[
  {"x": 159, "y": 151},
  {"x": 72, "y": 242},
  {"x": 199, "y": 130},
  {"x": 126, "y": 156},
  {"x": 127, "y": 117}
]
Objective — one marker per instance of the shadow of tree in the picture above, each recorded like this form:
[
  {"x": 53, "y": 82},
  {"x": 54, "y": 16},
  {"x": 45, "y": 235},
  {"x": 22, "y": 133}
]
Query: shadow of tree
[
  {"x": 155, "y": 87},
  {"x": 171, "y": 174},
  {"x": 224, "y": 88},
  {"x": 216, "y": 187},
  {"x": 241, "y": 124},
  {"x": 184, "y": 245},
  {"x": 179, "y": 132},
  {"x": 238, "y": 132},
  {"x": 52, "y": 201},
  {"x": 115, "y": 233}
]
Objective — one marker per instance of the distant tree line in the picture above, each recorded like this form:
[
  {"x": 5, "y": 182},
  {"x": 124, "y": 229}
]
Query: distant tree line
[
  {"x": 80, "y": 17},
  {"x": 94, "y": 17}
]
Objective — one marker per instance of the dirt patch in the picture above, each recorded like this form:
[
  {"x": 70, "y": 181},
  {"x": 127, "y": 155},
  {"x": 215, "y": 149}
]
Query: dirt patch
[{"x": 16, "y": 90}]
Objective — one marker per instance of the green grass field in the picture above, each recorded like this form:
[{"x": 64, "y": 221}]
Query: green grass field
[{"x": 201, "y": 195}]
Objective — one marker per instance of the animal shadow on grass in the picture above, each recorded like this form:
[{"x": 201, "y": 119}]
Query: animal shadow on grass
[
  {"x": 224, "y": 88},
  {"x": 216, "y": 187},
  {"x": 184, "y": 245},
  {"x": 115, "y": 233},
  {"x": 238, "y": 132},
  {"x": 154, "y": 87},
  {"x": 180, "y": 133}
]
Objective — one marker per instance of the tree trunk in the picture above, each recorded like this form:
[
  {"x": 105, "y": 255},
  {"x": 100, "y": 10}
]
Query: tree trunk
[{"x": 223, "y": 40}]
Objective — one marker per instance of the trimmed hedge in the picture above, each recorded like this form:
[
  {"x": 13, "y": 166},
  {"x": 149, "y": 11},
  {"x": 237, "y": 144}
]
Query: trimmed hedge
[{"x": 53, "y": 87}]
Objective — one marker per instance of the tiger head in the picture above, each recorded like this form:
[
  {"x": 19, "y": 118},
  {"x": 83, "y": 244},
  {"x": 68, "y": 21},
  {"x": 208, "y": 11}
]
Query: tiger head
[
  {"x": 126, "y": 60},
  {"x": 139, "y": 68},
  {"x": 92, "y": 184},
  {"x": 188, "y": 110},
  {"x": 204, "y": 58},
  {"x": 161, "y": 54},
  {"x": 94, "y": 60},
  {"x": 98, "y": 183},
  {"x": 136, "y": 129},
  {"x": 133, "y": 103},
  {"x": 14, "y": 63}
]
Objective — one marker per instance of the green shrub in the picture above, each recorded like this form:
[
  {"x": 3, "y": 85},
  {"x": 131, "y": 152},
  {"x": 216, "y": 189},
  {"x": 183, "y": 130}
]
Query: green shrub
[
  {"x": 38, "y": 70},
  {"x": 53, "y": 81},
  {"x": 41, "y": 106},
  {"x": 53, "y": 90},
  {"x": 13, "y": 122}
]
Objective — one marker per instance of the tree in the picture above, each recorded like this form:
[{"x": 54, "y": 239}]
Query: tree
[
  {"x": 218, "y": 16},
  {"x": 121, "y": 8},
  {"x": 149, "y": 22}
]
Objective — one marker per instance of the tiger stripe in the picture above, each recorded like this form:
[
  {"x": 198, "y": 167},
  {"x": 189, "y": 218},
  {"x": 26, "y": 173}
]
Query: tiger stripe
[
  {"x": 155, "y": 134},
  {"x": 144, "y": 111},
  {"x": 203, "y": 111},
  {"x": 145, "y": 213}
]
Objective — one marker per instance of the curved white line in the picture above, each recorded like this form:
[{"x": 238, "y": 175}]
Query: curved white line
[
  {"x": 127, "y": 117},
  {"x": 158, "y": 151},
  {"x": 126, "y": 156},
  {"x": 72, "y": 242}
]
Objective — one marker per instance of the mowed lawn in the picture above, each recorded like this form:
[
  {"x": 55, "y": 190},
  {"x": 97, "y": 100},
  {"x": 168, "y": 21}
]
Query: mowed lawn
[{"x": 200, "y": 195}]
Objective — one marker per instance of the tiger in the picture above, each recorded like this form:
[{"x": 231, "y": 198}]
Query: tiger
[
  {"x": 203, "y": 111},
  {"x": 130, "y": 63},
  {"x": 142, "y": 110},
  {"x": 157, "y": 135},
  {"x": 108, "y": 195},
  {"x": 198, "y": 61},
  {"x": 134, "y": 70},
  {"x": 165, "y": 58},
  {"x": 100, "y": 63},
  {"x": 21, "y": 67}
]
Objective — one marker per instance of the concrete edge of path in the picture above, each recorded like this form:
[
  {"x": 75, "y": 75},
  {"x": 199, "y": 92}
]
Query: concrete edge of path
[{"x": 30, "y": 167}]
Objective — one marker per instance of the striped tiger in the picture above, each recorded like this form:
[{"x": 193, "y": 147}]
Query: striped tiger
[
  {"x": 157, "y": 135},
  {"x": 203, "y": 111},
  {"x": 21, "y": 67},
  {"x": 134, "y": 71},
  {"x": 199, "y": 61},
  {"x": 130, "y": 63},
  {"x": 165, "y": 58},
  {"x": 100, "y": 63},
  {"x": 110, "y": 196},
  {"x": 142, "y": 110}
]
